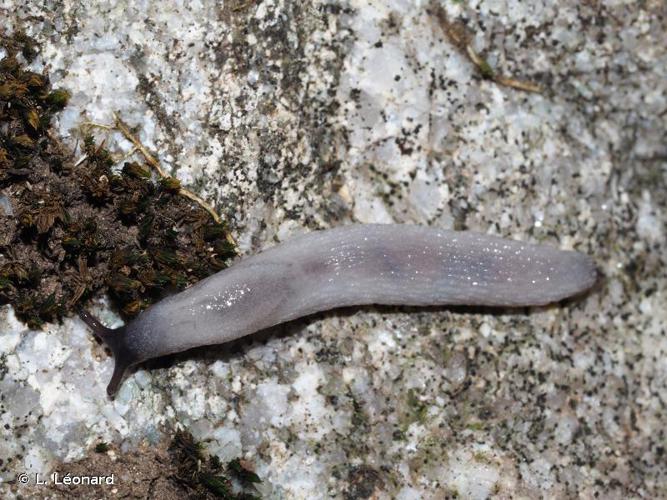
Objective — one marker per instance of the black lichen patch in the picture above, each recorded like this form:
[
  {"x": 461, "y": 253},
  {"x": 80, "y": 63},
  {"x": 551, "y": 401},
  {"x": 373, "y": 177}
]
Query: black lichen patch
[
  {"x": 74, "y": 230},
  {"x": 204, "y": 476},
  {"x": 363, "y": 482}
]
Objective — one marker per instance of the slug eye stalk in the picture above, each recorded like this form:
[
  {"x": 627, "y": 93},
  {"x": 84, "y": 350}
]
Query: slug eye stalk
[{"x": 114, "y": 338}]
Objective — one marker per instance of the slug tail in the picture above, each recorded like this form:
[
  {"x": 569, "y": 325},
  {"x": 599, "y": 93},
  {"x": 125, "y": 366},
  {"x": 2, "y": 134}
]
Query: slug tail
[{"x": 114, "y": 338}]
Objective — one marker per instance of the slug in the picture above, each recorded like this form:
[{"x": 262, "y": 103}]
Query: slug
[{"x": 347, "y": 266}]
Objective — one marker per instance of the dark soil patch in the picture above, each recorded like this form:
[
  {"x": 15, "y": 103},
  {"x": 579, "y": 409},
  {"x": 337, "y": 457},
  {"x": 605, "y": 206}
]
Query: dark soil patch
[{"x": 171, "y": 471}]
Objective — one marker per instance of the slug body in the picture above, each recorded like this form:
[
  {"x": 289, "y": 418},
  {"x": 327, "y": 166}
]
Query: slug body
[{"x": 347, "y": 266}]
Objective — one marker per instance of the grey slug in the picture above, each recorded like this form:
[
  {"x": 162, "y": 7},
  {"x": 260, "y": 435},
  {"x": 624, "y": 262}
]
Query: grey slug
[{"x": 348, "y": 266}]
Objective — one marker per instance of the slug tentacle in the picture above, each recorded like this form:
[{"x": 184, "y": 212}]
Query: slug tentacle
[
  {"x": 98, "y": 328},
  {"x": 114, "y": 338}
]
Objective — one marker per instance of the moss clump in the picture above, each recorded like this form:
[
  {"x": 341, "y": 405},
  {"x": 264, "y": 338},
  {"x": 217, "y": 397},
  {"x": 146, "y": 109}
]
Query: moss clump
[
  {"x": 79, "y": 229},
  {"x": 102, "y": 447},
  {"x": 243, "y": 471},
  {"x": 205, "y": 476}
]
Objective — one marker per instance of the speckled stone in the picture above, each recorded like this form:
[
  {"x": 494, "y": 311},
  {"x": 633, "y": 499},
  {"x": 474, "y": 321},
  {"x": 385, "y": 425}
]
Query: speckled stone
[{"x": 294, "y": 116}]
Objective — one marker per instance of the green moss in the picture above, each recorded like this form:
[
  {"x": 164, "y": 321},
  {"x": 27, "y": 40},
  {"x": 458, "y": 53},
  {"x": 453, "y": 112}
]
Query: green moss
[
  {"x": 418, "y": 409},
  {"x": 486, "y": 70},
  {"x": 167, "y": 257},
  {"x": 72, "y": 219},
  {"x": 240, "y": 469},
  {"x": 101, "y": 447},
  {"x": 136, "y": 170},
  {"x": 58, "y": 99},
  {"x": 204, "y": 475},
  {"x": 170, "y": 184},
  {"x": 220, "y": 486}
]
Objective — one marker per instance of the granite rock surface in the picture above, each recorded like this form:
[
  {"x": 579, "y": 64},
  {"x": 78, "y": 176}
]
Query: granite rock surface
[{"x": 291, "y": 117}]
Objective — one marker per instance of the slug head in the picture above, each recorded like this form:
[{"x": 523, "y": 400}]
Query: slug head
[{"x": 114, "y": 338}]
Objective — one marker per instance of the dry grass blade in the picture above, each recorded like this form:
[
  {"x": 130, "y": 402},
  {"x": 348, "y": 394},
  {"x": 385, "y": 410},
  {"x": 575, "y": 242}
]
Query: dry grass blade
[
  {"x": 459, "y": 36},
  {"x": 123, "y": 128}
]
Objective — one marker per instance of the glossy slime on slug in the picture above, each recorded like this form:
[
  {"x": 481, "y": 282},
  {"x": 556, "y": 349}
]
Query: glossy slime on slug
[{"x": 352, "y": 265}]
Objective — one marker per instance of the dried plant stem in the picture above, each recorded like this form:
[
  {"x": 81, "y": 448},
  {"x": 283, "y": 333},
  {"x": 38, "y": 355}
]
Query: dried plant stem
[
  {"x": 108, "y": 128},
  {"x": 122, "y": 127},
  {"x": 125, "y": 130},
  {"x": 518, "y": 84},
  {"x": 459, "y": 36}
]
